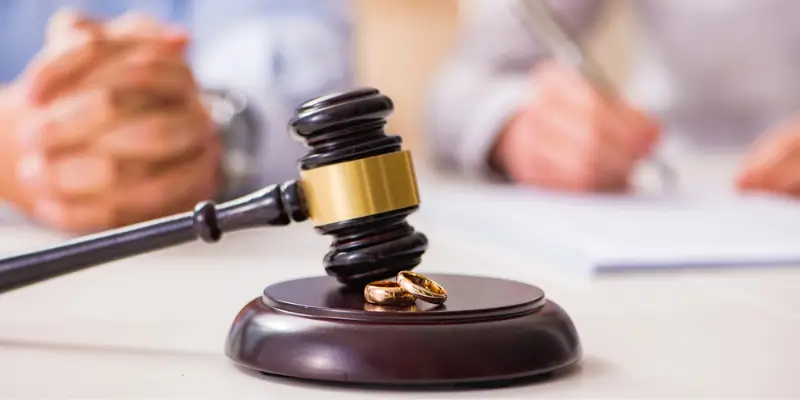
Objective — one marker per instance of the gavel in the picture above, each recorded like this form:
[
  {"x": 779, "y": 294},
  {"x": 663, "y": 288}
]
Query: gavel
[{"x": 356, "y": 184}]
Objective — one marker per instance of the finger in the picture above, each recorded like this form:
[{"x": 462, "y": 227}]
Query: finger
[
  {"x": 544, "y": 162},
  {"x": 62, "y": 22},
  {"x": 145, "y": 52},
  {"x": 77, "y": 217},
  {"x": 542, "y": 153},
  {"x": 775, "y": 166},
  {"x": 29, "y": 171},
  {"x": 132, "y": 22},
  {"x": 65, "y": 22},
  {"x": 547, "y": 166},
  {"x": 82, "y": 175},
  {"x": 630, "y": 129},
  {"x": 787, "y": 179},
  {"x": 157, "y": 137},
  {"x": 79, "y": 175},
  {"x": 583, "y": 143},
  {"x": 54, "y": 66},
  {"x": 167, "y": 79},
  {"x": 628, "y": 139},
  {"x": 176, "y": 189},
  {"x": 627, "y": 128},
  {"x": 147, "y": 75},
  {"x": 70, "y": 122},
  {"x": 786, "y": 173},
  {"x": 138, "y": 25},
  {"x": 569, "y": 86},
  {"x": 768, "y": 156},
  {"x": 577, "y": 111},
  {"x": 551, "y": 170},
  {"x": 570, "y": 148}
]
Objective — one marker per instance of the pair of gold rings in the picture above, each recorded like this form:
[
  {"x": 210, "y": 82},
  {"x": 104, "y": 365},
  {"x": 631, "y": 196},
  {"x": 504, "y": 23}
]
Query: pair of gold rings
[{"x": 405, "y": 291}]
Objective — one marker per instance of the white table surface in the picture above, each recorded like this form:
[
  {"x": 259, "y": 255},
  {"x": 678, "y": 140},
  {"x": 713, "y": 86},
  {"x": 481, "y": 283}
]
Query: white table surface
[{"x": 154, "y": 326}]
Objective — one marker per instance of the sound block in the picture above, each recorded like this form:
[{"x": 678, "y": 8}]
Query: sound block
[{"x": 488, "y": 330}]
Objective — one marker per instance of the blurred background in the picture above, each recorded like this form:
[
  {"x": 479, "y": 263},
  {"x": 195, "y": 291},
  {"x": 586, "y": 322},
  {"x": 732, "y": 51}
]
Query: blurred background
[
  {"x": 701, "y": 103},
  {"x": 420, "y": 33}
]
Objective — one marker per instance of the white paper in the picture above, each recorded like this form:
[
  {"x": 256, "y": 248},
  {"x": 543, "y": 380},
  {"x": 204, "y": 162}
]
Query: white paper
[{"x": 604, "y": 233}]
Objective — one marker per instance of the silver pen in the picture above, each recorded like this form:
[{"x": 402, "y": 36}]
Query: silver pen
[{"x": 544, "y": 27}]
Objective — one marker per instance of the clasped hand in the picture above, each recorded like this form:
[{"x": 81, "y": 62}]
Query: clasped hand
[{"x": 114, "y": 131}]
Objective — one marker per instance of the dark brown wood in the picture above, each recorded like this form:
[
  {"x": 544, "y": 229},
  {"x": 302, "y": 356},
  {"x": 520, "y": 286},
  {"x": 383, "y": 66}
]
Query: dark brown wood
[
  {"x": 272, "y": 206},
  {"x": 337, "y": 128},
  {"x": 488, "y": 330},
  {"x": 348, "y": 126}
]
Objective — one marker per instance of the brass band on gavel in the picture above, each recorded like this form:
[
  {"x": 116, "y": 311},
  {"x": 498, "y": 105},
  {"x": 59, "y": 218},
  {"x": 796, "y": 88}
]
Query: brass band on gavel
[{"x": 360, "y": 188}]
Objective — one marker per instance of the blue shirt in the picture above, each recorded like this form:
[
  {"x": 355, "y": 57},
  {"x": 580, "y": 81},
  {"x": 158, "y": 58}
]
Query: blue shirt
[{"x": 278, "y": 52}]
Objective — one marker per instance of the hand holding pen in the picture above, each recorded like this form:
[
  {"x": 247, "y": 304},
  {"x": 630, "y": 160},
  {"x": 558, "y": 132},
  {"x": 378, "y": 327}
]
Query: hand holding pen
[
  {"x": 575, "y": 133},
  {"x": 569, "y": 137}
]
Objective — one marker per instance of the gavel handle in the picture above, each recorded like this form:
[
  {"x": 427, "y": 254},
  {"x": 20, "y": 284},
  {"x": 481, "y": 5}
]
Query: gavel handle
[{"x": 271, "y": 206}]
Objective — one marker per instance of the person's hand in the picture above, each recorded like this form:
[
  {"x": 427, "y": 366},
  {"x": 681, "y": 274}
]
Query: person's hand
[
  {"x": 571, "y": 137},
  {"x": 116, "y": 132},
  {"x": 774, "y": 164}
]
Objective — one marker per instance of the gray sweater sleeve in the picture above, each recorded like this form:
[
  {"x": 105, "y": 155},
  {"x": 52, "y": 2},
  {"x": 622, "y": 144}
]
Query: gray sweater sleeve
[{"x": 487, "y": 77}]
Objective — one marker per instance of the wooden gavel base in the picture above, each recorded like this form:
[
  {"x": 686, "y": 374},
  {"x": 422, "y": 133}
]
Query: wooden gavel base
[{"x": 488, "y": 330}]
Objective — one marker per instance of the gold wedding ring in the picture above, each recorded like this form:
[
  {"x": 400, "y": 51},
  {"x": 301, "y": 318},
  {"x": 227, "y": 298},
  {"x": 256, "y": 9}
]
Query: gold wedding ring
[
  {"x": 422, "y": 287},
  {"x": 388, "y": 293},
  {"x": 403, "y": 292}
]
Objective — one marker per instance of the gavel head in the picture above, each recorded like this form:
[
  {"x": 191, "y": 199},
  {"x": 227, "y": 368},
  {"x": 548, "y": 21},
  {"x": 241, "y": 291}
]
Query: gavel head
[{"x": 358, "y": 186}]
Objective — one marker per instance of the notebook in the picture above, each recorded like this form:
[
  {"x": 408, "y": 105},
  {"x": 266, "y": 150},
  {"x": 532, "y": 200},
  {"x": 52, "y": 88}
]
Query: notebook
[{"x": 619, "y": 233}]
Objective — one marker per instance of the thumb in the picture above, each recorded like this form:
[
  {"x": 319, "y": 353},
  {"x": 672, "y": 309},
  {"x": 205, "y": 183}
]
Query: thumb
[
  {"x": 65, "y": 23},
  {"x": 768, "y": 157}
]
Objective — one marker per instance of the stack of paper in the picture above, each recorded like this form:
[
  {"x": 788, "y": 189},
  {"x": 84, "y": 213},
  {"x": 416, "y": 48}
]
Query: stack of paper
[{"x": 603, "y": 233}]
